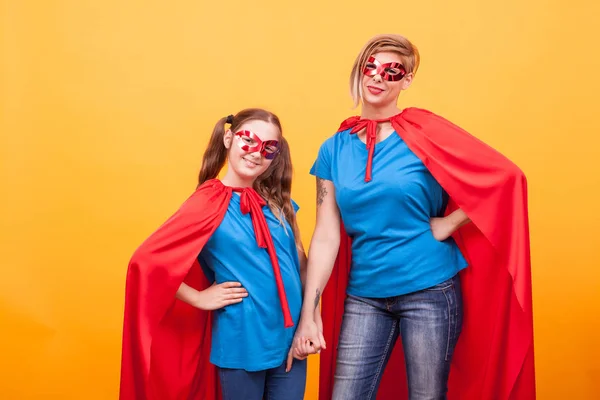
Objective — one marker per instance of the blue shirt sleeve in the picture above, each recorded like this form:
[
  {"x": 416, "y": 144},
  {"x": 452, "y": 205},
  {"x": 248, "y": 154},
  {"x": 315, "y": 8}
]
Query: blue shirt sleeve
[
  {"x": 322, "y": 166},
  {"x": 295, "y": 205}
]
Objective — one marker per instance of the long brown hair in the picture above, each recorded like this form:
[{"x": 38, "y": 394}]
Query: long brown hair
[{"x": 275, "y": 184}]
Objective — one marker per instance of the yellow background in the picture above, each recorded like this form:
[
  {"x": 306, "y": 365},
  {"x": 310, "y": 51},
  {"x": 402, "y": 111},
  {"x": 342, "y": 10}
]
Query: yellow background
[{"x": 106, "y": 107}]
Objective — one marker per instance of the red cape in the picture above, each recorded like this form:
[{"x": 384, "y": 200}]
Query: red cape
[
  {"x": 166, "y": 342},
  {"x": 494, "y": 355}
]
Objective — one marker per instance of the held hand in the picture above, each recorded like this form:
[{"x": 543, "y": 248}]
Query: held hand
[
  {"x": 221, "y": 295},
  {"x": 291, "y": 356},
  {"x": 301, "y": 346},
  {"x": 442, "y": 228},
  {"x": 306, "y": 340}
]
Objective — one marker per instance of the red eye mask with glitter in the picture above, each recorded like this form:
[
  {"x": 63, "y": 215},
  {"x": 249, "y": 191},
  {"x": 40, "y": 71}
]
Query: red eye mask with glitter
[
  {"x": 392, "y": 71},
  {"x": 250, "y": 142}
]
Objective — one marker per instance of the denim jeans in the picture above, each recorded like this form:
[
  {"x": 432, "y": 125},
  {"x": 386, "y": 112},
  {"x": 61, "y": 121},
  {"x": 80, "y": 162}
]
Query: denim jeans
[
  {"x": 270, "y": 384},
  {"x": 429, "y": 323}
]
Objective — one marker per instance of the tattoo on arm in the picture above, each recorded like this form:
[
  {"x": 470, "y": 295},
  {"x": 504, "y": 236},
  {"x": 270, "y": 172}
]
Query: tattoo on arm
[
  {"x": 317, "y": 298},
  {"x": 321, "y": 191}
]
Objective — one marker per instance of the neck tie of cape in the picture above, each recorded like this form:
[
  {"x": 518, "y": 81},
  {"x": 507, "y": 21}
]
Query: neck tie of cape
[
  {"x": 251, "y": 202},
  {"x": 358, "y": 124}
]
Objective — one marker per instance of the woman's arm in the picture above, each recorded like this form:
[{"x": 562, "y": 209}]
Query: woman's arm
[
  {"x": 323, "y": 251},
  {"x": 442, "y": 228}
]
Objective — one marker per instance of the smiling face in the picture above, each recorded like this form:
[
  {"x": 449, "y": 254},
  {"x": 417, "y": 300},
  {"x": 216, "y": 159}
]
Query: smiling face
[
  {"x": 376, "y": 65},
  {"x": 384, "y": 77},
  {"x": 252, "y": 148}
]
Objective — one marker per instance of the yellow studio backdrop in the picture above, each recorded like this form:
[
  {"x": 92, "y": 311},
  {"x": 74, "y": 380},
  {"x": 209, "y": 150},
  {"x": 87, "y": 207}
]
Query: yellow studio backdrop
[{"x": 106, "y": 107}]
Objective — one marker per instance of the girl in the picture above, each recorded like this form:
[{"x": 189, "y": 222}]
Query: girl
[
  {"x": 242, "y": 231},
  {"x": 401, "y": 183}
]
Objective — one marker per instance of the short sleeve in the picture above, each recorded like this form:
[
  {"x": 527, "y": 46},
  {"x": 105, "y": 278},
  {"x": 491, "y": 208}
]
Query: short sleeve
[
  {"x": 322, "y": 166},
  {"x": 295, "y": 205}
]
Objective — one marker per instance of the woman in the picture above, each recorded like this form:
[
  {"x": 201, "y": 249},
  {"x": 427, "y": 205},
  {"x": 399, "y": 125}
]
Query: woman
[
  {"x": 242, "y": 230},
  {"x": 400, "y": 184}
]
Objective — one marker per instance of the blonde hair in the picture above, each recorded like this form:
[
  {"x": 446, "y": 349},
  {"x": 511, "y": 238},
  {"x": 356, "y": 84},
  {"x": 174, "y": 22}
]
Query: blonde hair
[{"x": 388, "y": 42}]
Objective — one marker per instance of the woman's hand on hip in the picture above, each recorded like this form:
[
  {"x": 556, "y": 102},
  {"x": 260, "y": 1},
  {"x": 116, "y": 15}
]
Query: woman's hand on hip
[{"x": 441, "y": 228}]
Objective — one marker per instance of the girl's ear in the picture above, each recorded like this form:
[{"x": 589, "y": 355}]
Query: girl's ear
[{"x": 228, "y": 138}]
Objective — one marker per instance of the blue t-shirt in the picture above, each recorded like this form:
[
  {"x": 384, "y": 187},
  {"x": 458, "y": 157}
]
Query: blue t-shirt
[
  {"x": 393, "y": 249},
  {"x": 251, "y": 335}
]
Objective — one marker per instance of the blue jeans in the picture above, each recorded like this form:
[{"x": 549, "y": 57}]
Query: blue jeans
[
  {"x": 429, "y": 322},
  {"x": 270, "y": 384}
]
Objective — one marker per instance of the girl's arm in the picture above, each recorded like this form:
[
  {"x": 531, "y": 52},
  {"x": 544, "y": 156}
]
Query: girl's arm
[{"x": 214, "y": 297}]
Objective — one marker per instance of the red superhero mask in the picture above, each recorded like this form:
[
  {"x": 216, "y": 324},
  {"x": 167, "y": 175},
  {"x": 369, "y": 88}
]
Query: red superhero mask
[
  {"x": 392, "y": 71},
  {"x": 250, "y": 142}
]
